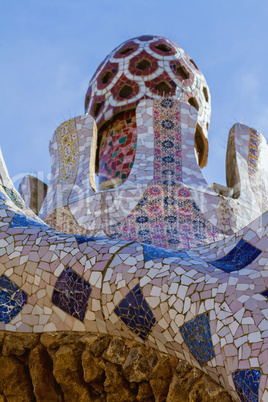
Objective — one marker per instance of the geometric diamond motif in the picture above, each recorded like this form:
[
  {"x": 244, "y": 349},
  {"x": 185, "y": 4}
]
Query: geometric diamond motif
[
  {"x": 12, "y": 299},
  {"x": 134, "y": 311},
  {"x": 197, "y": 336},
  {"x": 247, "y": 384},
  {"x": 71, "y": 294},
  {"x": 152, "y": 253},
  {"x": 239, "y": 257}
]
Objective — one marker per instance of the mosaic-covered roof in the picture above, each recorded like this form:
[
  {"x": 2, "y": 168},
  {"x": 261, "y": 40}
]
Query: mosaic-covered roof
[{"x": 148, "y": 66}]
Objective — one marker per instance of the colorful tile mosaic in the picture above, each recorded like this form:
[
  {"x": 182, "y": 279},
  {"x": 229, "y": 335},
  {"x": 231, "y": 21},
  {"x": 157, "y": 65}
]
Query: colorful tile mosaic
[
  {"x": 15, "y": 197},
  {"x": 62, "y": 220},
  {"x": 67, "y": 150},
  {"x": 256, "y": 176},
  {"x": 173, "y": 301},
  {"x": 197, "y": 336},
  {"x": 12, "y": 299},
  {"x": 146, "y": 67},
  {"x": 117, "y": 149},
  {"x": 167, "y": 215},
  {"x": 239, "y": 257},
  {"x": 127, "y": 285},
  {"x": 135, "y": 313},
  {"x": 71, "y": 294},
  {"x": 247, "y": 384}
]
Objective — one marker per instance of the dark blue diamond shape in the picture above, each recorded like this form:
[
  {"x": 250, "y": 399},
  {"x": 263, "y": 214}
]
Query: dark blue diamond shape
[
  {"x": 197, "y": 336},
  {"x": 138, "y": 316},
  {"x": 247, "y": 384},
  {"x": 12, "y": 299},
  {"x": 71, "y": 294},
  {"x": 239, "y": 257}
]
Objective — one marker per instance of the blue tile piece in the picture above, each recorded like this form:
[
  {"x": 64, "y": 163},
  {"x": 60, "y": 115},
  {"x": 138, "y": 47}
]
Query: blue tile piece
[
  {"x": 134, "y": 311},
  {"x": 197, "y": 336},
  {"x": 247, "y": 384},
  {"x": 22, "y": 221},
  {"x": 82, "y": 239},
  {"x": 12, "y": 299},
  {"x": 152, "y": 253},
  {"x": 265, "y": 293},
  {"x": 71, "y": 294},
  {"x": 239, "y": 257}
]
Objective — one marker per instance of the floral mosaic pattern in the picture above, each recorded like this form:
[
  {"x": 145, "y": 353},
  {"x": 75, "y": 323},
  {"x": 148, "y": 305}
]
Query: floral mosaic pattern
[
  {"x": 12, "y": 299},
  {"x": 118, "y": 148},
  {"x": 135, "y": 313},
  {"x": 68, "y": 154},
  {"x": 71, "y": 294},
  {"x": 247, "y": 384},
  {"x": 197, "y": 336},
  {"x": 167, "y": 215},
  {"x": 239, "y": 257}
]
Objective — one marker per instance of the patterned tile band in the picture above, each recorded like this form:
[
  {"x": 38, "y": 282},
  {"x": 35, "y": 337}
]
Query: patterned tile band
[
  {"x": 255, "y": 174},
  {"x": 167, "y": 215}
]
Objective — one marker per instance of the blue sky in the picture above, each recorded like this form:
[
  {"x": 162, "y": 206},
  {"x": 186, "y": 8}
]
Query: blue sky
[{"x": 49, "y": 49}]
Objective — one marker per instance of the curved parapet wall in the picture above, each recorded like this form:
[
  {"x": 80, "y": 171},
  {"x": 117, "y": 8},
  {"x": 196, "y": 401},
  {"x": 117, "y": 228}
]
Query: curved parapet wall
[{"x": 207, "y": 306}]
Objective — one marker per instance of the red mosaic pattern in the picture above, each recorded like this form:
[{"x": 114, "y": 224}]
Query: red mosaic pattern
[
  {"x": 118, "y": 88},
  {"x": 126, "y": 49},
  {"x": 162, "y": 85},
  {"x": 137, "y": 61},
  {"x": 167, "y": 215},
  {"x": 161, "y": 46},
  {"x": 118, "y": 148},
  {"x": 146, "y": 67},
  {"x": 176, "y": 65},
  {"x": 106, "y": 75}
]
